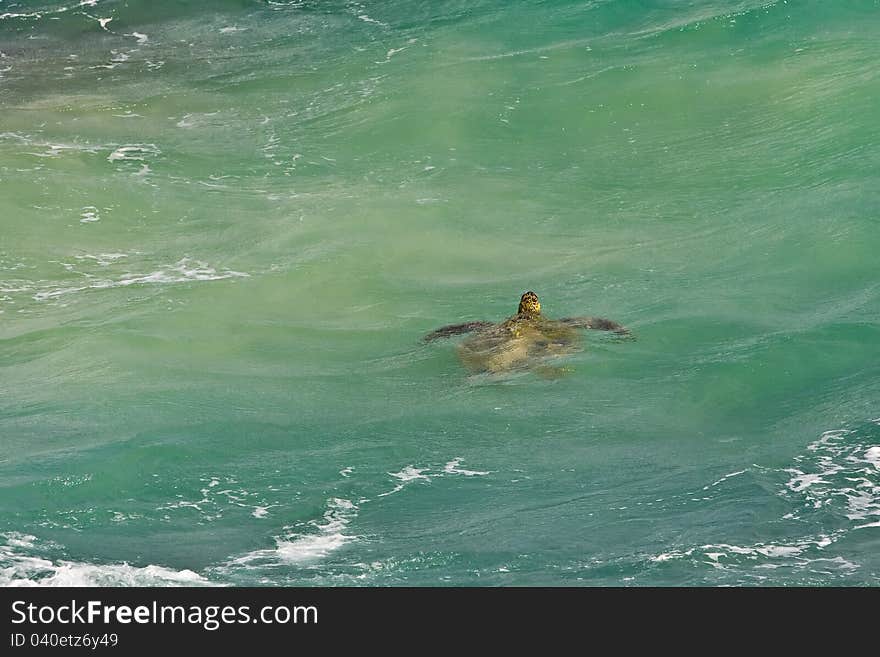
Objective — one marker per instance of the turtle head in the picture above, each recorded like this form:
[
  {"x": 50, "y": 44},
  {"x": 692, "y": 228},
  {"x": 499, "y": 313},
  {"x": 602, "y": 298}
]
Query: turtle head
[{"x": 529, "y": 304}]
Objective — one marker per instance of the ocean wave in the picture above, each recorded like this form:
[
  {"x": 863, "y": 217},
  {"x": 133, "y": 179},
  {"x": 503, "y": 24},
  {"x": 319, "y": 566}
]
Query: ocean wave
[
  {"x": 839, "y": 474},
  {"x": 303, "y": 544},
  {"x": 184, "y": 271},
  {"x": 308, "y": 543},
  {"x": 216, "y": 497},
  {"x": 21, "y": 565},
  {"x": 833, "y": 493},
  {"x": 52, "y": 148},
  {"x": 702, "y": 16},
  {"x": 136, "y": 152},
  {"x": 48, "y": 12},
  {"x": 410, "y": 473},
  {"x": 452, "y": 468},
  {"x": 406, "y": 475},
  {"x": 723, "y": 555}
]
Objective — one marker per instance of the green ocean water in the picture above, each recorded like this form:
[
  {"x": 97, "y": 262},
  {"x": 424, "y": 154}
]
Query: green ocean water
[{"x": 225, "y": 227}]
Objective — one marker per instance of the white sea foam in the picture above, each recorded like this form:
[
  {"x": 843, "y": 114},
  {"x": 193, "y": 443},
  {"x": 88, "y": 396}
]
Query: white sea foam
[
  {"x": 367, "y": 19},
  {"x": 69, "y": 573},
  {"x": 676, "y": 554},
  {"x": 410, "y": 473},
  {"x": 19, "y": 540},
  {"x": 192, "y": 120},
  {"x": 217, "y": 496},
  {"x": 721, "y": 554},
  {"x": 724, "y": 478},
  {"x": 311, "y": 548},
  {"x": 102, "y": 259},
  {"x": 838, "y": 473},
  {"x": 184, "y": 271},
  {"x": 779, "y": 550},
  {"x": 314, "y": 540},
  {"x": 89, "y": 214},
  {"x": 101, "y": 21},
  {"x": 311, "y": 542},
  {"x": 20, "y": 566},
  {"x": 54, "y": 149},
  {"x": 137, "y": 152},
  {"x": 141, "y": 38},
  {"x": 407, "y": 474},
  {"x": 452, "y": 468},
  {"x": 59, "y": 10}
]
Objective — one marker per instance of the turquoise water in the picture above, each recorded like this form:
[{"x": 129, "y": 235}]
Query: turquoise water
[{"x": 225, "y": 226}]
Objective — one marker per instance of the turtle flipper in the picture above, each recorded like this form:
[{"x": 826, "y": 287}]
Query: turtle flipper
[
  {"x": 456, "y": 329},
  {"x": 597, "y": 323}
]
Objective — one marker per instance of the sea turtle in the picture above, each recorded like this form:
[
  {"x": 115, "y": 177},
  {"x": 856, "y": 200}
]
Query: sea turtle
[{"x": 525, "y": 339}]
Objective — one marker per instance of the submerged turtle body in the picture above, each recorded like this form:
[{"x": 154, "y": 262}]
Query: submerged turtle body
[
  {"x": 516, "y": 343},
  {"x": 526, "y": 339}
]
